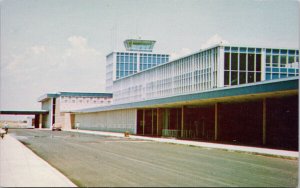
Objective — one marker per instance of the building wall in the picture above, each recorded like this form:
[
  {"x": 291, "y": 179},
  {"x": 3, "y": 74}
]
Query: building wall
[
  {"x": 110, "y": 72},
  {"x": 113, "y": 121},
  {"x": 197, "y": 72},
  {"x": 47, "y": 105},
  {"x": 59, "y": 116},
  {"x": 69, "y": 103},
  {"x": 65, "y": 104}
]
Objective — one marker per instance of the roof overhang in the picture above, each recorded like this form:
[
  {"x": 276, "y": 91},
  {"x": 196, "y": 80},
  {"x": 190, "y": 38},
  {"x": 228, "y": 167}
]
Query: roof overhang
[
  {"x": 47, "y": 96},
  {"x": 73, "y": 94},
  {"x": 23, "y": 112},
  {"x": 247, "y": 92}
]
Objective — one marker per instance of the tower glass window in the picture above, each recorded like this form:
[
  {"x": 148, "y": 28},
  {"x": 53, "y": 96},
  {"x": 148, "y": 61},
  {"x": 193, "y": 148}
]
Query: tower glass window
[{"x": 281, "y": 63}]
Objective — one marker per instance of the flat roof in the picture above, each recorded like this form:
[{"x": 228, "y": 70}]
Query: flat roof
[
  {"x": 73, "y": 94},
  {"x": 23, "y": 112},
  {"x": 270, "y": 88}
]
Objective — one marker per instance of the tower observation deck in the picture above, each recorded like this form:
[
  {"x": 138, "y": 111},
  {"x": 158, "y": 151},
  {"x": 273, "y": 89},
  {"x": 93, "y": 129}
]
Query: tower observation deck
[{"x": 139, "y": 45}]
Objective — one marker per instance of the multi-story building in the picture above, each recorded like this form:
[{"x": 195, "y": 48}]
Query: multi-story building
[
  {"x": 137, "y": 57},
  {"x": 215, "y": 67},
  {"x": 59, "y": 105}
]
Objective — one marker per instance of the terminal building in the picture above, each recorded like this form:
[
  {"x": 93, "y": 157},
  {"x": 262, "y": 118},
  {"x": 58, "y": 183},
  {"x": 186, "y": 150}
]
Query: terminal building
[{"x": 225, "y": 94}]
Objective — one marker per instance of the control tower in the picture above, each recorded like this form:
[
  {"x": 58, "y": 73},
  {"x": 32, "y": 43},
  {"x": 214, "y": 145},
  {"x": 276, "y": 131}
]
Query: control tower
[
  {"x": 137, "y": 57},
  {"x": 139, "y": 45}
]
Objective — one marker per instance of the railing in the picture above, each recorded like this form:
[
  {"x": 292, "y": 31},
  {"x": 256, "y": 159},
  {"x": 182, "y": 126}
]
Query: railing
[
  {"x": 170, "y": 133},
  {"x": 177, "y": 133}
]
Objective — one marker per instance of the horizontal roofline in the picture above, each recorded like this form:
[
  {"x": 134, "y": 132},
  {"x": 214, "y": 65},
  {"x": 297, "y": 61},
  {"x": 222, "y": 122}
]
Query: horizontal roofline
[
  {"x": 201, "y": 50},
  {"x": 137, "y": 52},
  {"x": 23, "y": 112},
  {"x": 75, "y": 94},
  {"x": 284, "y": 84}
]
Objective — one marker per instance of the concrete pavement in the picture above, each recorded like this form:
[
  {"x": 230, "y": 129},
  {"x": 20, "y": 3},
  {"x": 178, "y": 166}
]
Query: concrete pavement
[
  {"x": 20, "y": 167},
  {"x": 255, "y": 150}
]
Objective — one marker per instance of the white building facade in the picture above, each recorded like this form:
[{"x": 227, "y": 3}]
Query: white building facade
[
  {"x": 59, "y": 105},
  {"x": 216, "y": 67}
]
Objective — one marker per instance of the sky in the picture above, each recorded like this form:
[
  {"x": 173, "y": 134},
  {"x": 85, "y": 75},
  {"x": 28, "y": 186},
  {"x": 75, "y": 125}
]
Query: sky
[{"x": 60, "y": 45}]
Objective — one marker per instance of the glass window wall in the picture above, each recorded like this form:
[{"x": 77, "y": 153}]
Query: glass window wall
[{"x": 242, "y": 67}]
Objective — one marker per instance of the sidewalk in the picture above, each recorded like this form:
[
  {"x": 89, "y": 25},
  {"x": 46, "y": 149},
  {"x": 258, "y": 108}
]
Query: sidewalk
[
  {"x": 247, "y": 149},
  {"x": 20, "y": 167}
]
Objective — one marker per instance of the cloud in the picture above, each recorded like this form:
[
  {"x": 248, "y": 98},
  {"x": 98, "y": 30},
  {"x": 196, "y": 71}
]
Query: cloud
[
  {"x": 182, "y": 52},
  {"x": 215, "y": 39},
  {"x": 41, "y": 69},
  {"x": 77, "y": 41},
  {"x": 79, "y": 54},
  {"x": 38, "y": 49}
]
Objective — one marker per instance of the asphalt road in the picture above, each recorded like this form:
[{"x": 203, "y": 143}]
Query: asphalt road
[{"x": 92, "y": 160}]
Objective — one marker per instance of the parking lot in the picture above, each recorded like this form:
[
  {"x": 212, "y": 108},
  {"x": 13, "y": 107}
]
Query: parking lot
[{"x": 93, "y": 160}]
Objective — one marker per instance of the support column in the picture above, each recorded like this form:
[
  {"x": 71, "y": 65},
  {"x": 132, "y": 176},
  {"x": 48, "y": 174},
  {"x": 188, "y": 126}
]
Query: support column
[
  {"x": 182, "y": 120},
  {"x": 143, "y": 121},
  {"x": 67, "y": 123},
  {"x": 159, "y": 122},
  {"x": 36, "y": 120},
  {"x": 216, "y": 121},
  {"x": 152, "y": 122},
  {"x": 264, "y": 121},
  {"x": 41, "y": 121}
]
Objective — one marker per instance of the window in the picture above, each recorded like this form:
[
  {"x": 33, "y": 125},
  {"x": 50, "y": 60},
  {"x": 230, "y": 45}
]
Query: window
[
  {"x": 243, "y": 50},
  {"x": 291, "y": 59},
  {"x": 283, "y": 51},
  {"x": 234, "y": 49},
  {"x": 282, "y": 61},
  {"x": 250, "y": 62},
  {"x": 275, "y": 75},
  {"x": 275, "y": 51},
  {"x": 250, "y": 77},
  {"x": 234, "y": 78},
  {"x": 242, "y": 61},
  {"x": 258, "y": 62},
  {"x": 258, "y": 50},
  {"x": 242, "y": 77},
  {"x": 275, "y": 60},
  {"x": 258, "y": 76},
  {"x": 227, "y": 61},
  {"x": 283, "y": 75},
  {"x": 234, "y": 61},
  {"x": 251, "y": 50},
  {"x": 268, "y": 60}
]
